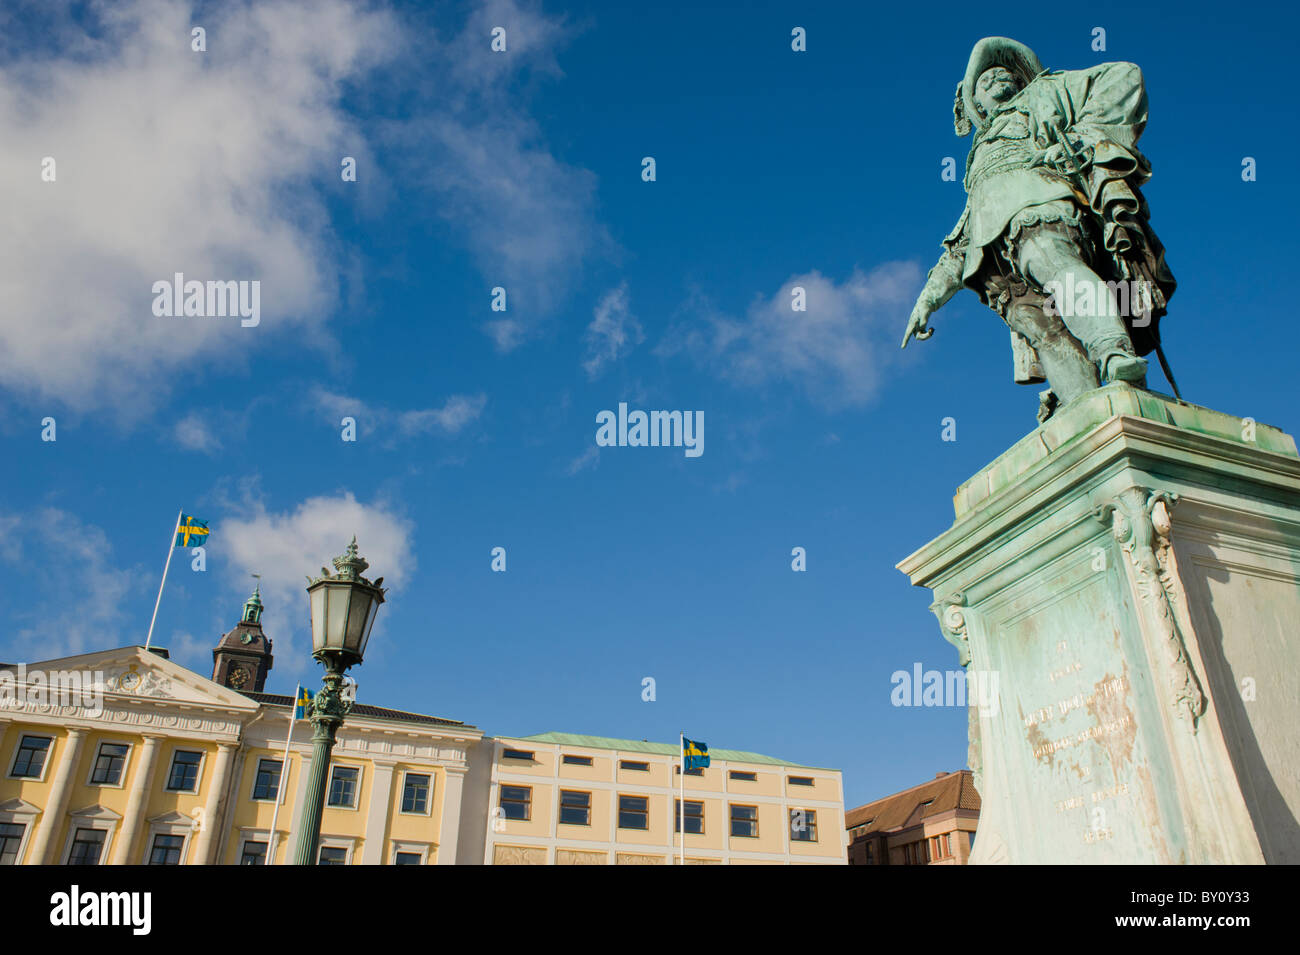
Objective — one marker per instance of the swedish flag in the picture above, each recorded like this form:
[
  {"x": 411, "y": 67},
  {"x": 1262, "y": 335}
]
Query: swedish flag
[
  {"x": 302, "y": 704},
  {"x": 697, "y": 754},
  {"x": 190, "y": 531}
]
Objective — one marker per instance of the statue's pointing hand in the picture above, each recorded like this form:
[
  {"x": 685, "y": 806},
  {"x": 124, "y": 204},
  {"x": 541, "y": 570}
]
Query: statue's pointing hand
[{"x": 918, "y": 325}]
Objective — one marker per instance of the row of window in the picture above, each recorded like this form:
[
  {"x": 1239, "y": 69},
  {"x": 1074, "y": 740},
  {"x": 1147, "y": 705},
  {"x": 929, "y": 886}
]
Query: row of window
[
  {"x": 927, "y": 850},
  {"x": 633, "y": 765},
  {"x": 345, "y": 783},
  {"x": 109, "y": 765},
  {"x": 183, "y": 775},
  {"x": 516, "y": 802},
  {"x": 88, "y": 846},
  {"x": 88, "y": 849},
  {"x": 254, "y": 853}
]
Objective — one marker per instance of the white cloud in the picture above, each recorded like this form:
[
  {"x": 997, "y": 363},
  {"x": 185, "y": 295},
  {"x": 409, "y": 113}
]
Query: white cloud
[
  {"x": 456, "y": 414},
  {"x": 525, "y": 215},
  {"x": 588, "y": 459},
  {"x": 613, "y": 332},
  {"x": 169, "y": 160},
  {"x": 214, "y": 164},
  {"x": 193, "y": 432},
  {"x": 837, "y": 350},
  {"x": 286, "y": 547},
  {"x": 74, "y": 604}
]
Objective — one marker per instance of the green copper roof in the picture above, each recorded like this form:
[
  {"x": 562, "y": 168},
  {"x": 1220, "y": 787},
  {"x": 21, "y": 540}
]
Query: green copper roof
[{"x": 662, "y": 749}]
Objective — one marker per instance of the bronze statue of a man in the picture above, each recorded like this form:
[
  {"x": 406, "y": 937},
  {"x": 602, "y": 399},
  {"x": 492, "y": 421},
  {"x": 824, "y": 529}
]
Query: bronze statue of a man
[{"x": 1055, "y": 236}]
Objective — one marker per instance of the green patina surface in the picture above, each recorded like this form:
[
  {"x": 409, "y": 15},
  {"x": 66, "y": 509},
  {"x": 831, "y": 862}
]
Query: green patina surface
[{"x": 1088, "y": 412}]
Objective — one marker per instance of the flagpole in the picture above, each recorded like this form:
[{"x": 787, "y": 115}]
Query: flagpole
[
  {"x": 171, "y": 546},
  {"x": 681, "y": 800},
  {"x": 284, "y": 768}
]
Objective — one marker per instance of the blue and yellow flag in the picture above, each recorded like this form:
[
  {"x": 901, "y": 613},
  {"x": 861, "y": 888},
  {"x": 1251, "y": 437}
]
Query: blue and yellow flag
[
  {"x": 302, "y": 703},
  {"x": 697, "y": 754},
  {"x": 191, "y": 532}
]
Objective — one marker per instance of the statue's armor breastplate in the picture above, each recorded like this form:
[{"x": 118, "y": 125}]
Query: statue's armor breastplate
[
  {"x": 1001, "y": 180},
  {"x": 1005, "y": 147}
]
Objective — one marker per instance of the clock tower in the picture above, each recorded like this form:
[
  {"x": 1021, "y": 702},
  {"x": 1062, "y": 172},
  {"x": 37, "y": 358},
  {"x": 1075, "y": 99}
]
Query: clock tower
[{"x": 242, "y": 658}]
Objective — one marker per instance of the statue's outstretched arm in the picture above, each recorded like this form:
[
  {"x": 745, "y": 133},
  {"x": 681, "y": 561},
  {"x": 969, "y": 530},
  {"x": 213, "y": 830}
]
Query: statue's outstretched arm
[{"x": 941, "y": 284}]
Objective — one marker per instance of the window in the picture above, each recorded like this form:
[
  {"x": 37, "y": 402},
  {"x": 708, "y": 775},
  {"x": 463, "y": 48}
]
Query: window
[
  {"x": 517, "y": 754},
  {"x": 415, "y": 793},
  {"x": 744, "y": 821},
  {"x": 343, "y": 787},
  {"x": 870, "y": 860},
  {"x": 407, "y": 858},
  {"x": 86, "y": 847},
  {"x": 109, "y": 764},
  {"x": 743, "y": 777},
  {"x": 947, "y": 843},
  {"x": 575, "y": 808},
  {"x": 29, "y": 761},
  {"x": 184, "y": 777},
  {"x": 517, "y": 802},
  {"x": 634, "y": 766},
  {"x": 634, "y": 812},
  {"x": 267, "y": 783},
  {"x": 11, "y": 838},
  {"x": 166, "y": 850},
  {"x": 691, "y": 772},
  {"x": 801, "y": 781},
  {"x": 254, "y": 853},
  {"x": 333, "y": 855},
  {"x": 694, "y": 816},
  {"x": 577, "y": 760},
  {"x": 803, "y": 825}
]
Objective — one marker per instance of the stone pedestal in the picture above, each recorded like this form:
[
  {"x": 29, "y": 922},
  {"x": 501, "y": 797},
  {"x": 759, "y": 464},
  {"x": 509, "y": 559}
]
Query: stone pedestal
[{"x": 1128, "y": 577}]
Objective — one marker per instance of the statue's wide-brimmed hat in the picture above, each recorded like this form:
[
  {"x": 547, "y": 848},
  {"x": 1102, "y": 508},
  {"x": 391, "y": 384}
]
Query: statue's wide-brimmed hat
[{"x": 991, "y": 51}]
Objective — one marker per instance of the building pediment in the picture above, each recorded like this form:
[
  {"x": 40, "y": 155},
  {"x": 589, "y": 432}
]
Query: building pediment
[
  {"x": 97, "y": 812},
  {"x": 18, "y": 807},
  {"x": 172, "y": 818},
  {"x": 136, "y": 674}
]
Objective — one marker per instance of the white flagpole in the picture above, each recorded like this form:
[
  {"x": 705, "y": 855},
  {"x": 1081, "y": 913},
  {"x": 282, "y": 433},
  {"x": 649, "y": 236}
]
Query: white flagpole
[
  {"x": 171, "y": 546},
  {"x": 681, "y": 801},
  {"x": 284, "y": 768}
]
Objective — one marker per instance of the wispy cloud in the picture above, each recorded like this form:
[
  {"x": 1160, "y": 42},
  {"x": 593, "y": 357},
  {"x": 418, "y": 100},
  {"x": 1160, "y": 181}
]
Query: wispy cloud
[
  {"x": 526, "y": 215},
  {"x": 75, "y": 603},
  {"x": 456, "y": 414},
  {"x": 613, "y": 332},
  {"x": 288, "y": 545},
  {"x": 144, "y": 130},
  {"x": 837, "y": 351},
  {"x": 193, "y": 433},
  {"x": 588, "y": 459}
]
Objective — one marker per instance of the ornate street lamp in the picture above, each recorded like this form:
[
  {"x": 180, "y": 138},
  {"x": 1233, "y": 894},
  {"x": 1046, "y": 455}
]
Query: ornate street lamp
[{"x": 343, "y": 607}]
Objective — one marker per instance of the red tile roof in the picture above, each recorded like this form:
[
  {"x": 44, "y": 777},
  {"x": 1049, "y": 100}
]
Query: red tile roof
[{"x": 908, "y": 808}]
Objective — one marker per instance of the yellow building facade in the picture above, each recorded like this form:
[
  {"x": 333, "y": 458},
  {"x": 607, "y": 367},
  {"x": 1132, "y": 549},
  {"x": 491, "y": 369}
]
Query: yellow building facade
[
  {"x": 151, "y": 763},
  {"x": 148, "y": 762},
  {"x": 560, "y": 799}
]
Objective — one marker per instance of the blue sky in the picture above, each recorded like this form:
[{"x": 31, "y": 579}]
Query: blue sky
[{"x": 477, "y": 428}]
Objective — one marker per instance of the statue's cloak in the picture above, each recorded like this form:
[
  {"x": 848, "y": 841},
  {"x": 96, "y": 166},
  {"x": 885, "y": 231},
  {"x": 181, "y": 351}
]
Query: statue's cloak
[{"x": 1099, "y": 113}]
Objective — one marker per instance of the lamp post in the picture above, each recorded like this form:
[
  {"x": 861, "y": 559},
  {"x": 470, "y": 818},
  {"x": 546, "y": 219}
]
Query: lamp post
[{"x": 343, "y": 608}]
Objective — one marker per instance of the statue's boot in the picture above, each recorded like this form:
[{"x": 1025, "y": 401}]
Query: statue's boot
[{"x": 1123, "y": 366}]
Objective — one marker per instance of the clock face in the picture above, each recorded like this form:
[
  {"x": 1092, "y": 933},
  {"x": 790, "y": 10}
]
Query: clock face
[
  {"x": 238, "y": 677},
  {"x": 247, "y": 637},
  {"x": 130, "y": 680}
]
